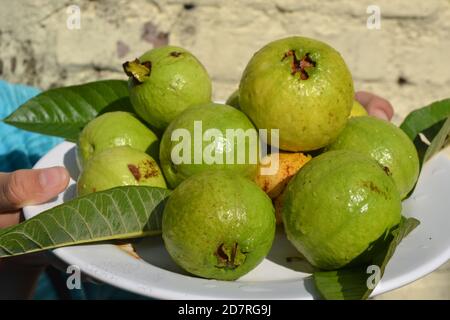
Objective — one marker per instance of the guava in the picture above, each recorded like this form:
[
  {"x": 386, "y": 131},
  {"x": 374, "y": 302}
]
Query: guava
[
  {"x": 119, "y": 166},
  {"x": 165, "y": 81},
  {"x": 114, "y": 129},
  {"x": 273, "y": 185},
  {"x": 288, "y": 165},
  {"x": 209, "y": 137},
  {"x": 300, "y": 86},
  {"x": 218, "y": 225},
  {"x": 387, "y": 144},
  {"x": 337, "y": 206},
  {"x": 358, "y": 110},
  {"x": 233, "y": 100}
]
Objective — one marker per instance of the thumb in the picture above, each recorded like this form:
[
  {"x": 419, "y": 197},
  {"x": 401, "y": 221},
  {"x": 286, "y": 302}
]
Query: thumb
[{"x": 25, "y": 187}]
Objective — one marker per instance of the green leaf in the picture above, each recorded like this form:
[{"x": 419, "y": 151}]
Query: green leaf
[
  {"x": 63, "y": 112},
  {"x": 440, "y": 138},
  {"x": 351, "y": 283},
  {"x": 423, "y": 118},
  {"x": 118, "y": 213},
  {"x": 432, "y": 122}
]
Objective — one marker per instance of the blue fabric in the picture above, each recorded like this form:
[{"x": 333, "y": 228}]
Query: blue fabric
[{"x": 20, "y": 150}]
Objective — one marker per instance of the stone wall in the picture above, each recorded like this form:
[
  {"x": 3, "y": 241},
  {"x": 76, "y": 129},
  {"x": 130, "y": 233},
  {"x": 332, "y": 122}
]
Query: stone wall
[{"x": 406, "y": 60}]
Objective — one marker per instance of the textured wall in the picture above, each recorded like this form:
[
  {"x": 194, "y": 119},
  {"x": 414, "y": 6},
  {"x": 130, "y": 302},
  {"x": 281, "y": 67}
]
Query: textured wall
[{"x": 407, "y": 60}]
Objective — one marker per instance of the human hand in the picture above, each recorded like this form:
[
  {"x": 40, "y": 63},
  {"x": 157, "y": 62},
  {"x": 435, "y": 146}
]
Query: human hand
[
  {"x": 375, "y": 105},
  {"x": 27, "y": 187},
  {"x": 18, "y": 275}
]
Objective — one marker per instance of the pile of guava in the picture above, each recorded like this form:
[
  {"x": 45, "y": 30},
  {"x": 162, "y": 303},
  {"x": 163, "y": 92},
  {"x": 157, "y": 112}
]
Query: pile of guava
[{"x": 291, "y": 146}]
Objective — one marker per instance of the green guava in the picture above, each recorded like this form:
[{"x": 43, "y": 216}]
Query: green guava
[
  {"x": 218, "y": 225},
  {"x": 358, "y": 110},
  {"x": 233, "y": 100},
  {"x": 338, "y": 206},
  {"x": 115, "y": 129},
  {"x": 300, "y": 86},
  {"x": 119, "y": 166},
  {"x": 165, "y": 81},
  {"x": 387, "y": 144},
  {"x": 209, "y": 137}
]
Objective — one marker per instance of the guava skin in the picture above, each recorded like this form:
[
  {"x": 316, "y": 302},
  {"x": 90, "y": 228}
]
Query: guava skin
[
  {"x": 387, "y": 144},
  {"x": 358, "y": 110},
  {"x": 217, "y": 225},
  {"x": 339, "y": 204},
  {"x": 175, "y": 81},
  {"x": 120, "y": 166},
  {"x": 212, "y": 116},
  {"x": 300, "y": 86},
  {"x": 115, "y": 129},
  {"x": 233, "y": 100}
]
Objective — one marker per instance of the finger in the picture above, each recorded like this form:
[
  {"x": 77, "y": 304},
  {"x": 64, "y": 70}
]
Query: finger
[
  {"x": 375, "y": 105},
  {"x": 9, "y": 219},
  {"x": 381, "y": 108},
  {"x": 363, "y": 97},
  {"x": 25, "y": 187}
]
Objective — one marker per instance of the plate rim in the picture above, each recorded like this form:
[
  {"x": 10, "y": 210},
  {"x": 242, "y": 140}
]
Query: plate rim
[{"x": 163, "y": 293}]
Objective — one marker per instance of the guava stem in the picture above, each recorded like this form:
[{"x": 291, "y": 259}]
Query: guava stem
[
  {"x": 229, "y": 258},
  {"x": 299, "y": 66},
  {"x": 175, "y": 54},
  {"x": 137, "y": 70}
]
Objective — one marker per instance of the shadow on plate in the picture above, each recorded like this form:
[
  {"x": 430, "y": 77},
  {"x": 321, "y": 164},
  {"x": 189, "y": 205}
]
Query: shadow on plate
[
  {"x": 284, "y": 254},
  {"x": 152, "y": 251},
  {"x": 71, "y": 192},
  {"x": 311, "y": 288},
  {"x": 70, "y": 162}
]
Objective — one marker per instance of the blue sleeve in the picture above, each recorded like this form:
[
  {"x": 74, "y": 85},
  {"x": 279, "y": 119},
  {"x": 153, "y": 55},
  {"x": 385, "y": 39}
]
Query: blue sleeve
[{"x": 19, "y": 149}]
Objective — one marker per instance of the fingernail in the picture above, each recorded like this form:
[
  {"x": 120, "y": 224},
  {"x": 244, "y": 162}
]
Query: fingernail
[
  {"x": 51, "y": 177},
  {"x": 378, "y": 113}
]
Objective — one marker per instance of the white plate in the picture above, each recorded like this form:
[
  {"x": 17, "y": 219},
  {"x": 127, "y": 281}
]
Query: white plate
[{"x": 424, "y": 250}]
